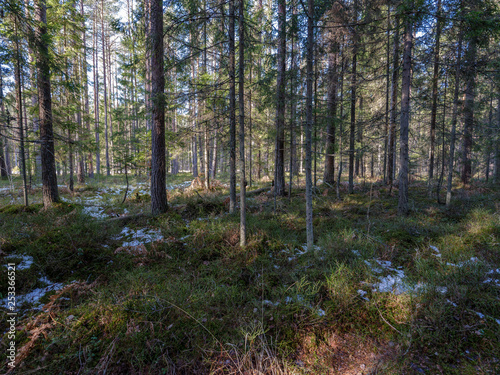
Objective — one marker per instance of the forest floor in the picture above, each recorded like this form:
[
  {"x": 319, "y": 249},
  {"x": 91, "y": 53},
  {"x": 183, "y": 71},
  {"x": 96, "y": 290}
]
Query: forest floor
[{"x": 102, "y": 289}]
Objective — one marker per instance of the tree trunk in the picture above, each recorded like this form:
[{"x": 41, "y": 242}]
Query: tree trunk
[
  {"x": 105, "y": 87},
  {"x": 49, "y": 178},
  {"x": 309, "y": 125},
  {"x": 279, "y": 171},
  {"x": 241, "y": 99},
  {"x": 96, "y": 96},
  {"x": 387, "y": 72},
  {"x": 394, "y": 102},
  {"x": 435, "y": 91},
  {"x": 19, "y": 104},
  {"x": 85, "y": 85},
  {"x": 497, "y": 142},
  {"x": 3, "y": 167},
  {"x": 329, "y": 176},
  {"x": 470, "y": 75},
  {"x": 454, "y": 118},
  {"x": 352, "y": 129},
  {"x": 158, "y": 163},
  {"x": 232, "y": 111},
  {"x": 405, "y": 119}
]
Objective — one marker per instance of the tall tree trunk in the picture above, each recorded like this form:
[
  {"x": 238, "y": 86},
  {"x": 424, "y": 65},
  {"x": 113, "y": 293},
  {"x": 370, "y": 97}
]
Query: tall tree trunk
[
  {"x": 49, "y": 178},
  {"x": 394, "y": 102},
  {"x": 497, "y": 143},
  {"x": 105, "y": 87},
  {"x": 279, "y": 171},
  {"x": 86, "y": 107},
  {"x": 241, "y": 99},
  {"x": 232, "y": 111},
  {"x": 454, "y": 118},
  {"x": 405, "y": 119},
  {"x": 206, "y": 127},
  {"x": 435, "y": 77},
  {"x": 158, "y": 163},
  {"x": 329, "y": 176},
  {"x": 352, "y": 130},
  {"x": 309, "y": 124},
  {"x": 470, "y": 88},
  {"x": 19, "y": 104},
  {"x": 388, "y": 80},
  {"x": 3, "y": 167},
  {"x": 293, "y": 104},
  {"x": 96, "y": 95}
]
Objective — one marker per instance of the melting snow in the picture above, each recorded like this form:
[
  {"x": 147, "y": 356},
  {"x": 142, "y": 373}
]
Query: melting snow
[
  {"x": 137, "y": 237},
  {"x": 95, "y": 212},
  {"x": 438, "y": 254},
  {"x": 35, "y": 295},
  {"x": 26, "y": 261}
]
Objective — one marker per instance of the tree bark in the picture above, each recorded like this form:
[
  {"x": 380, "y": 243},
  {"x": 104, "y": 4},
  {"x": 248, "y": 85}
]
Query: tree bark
[
  {"x": 49, "y": 178},
  {"x": 279, "y": 171},
  {"x": 497, "y": 142},
  {"x": 394, "y": 102},
  {"x": 352, "y": 129},
  {"x": 470, "y": 75},
  {"x": 405, "y": 119},
  {"x": 3, "y": 167},
  {"x": 454, "y": 118},
  {"x": 232, "y": 110},
  {"x": 105, "y": 87},
  {"x": 435, "y": 77},
  {"x": 329, "y": 176},
  {"x": 309, "y": 125},
  {"x": 96, "y": 96},
  {"x": 19, "y": 104},
  {"x": 158, "y": 163},
  {"x": 388, "y": 80},
  {"x": 241, "y": 99}
]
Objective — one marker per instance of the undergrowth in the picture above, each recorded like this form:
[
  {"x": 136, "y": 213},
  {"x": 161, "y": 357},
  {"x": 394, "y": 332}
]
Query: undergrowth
[{"x": 194, "y": 302}]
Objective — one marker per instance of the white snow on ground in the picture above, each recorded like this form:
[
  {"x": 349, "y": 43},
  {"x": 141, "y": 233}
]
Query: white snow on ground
[
  {"x": 35, "y": 295},
  {"x": 26, "y": 261},
  {"x": 297, "y": 252},
  {"x": 93, "y": 204},
  {"x": 136, "y": 237},
  {"x": 436, "y": 250},
  {"x": 95, "y": 212}
]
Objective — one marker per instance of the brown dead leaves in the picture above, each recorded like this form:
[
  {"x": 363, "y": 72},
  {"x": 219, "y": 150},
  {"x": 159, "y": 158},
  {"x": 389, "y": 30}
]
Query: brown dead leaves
[{"x": 41, "y": 324}]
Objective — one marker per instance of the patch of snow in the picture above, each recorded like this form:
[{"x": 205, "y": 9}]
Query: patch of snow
[
  {"x": 26, "y": 261},
  {"x": 451, "y": 303},
  {"x": 356, "y": 252},
  {"x": 35, "y": 295},
  {"x": 390, "y": 284},
  {"x": 438, "y": 253},
  {"x": 270, "y": 303},
  {"x": 492, "y": 281},
  {"x": 321, "y": 312},
  {"x": 138, "y": 236},
  {"x": 481, "y": 315},
  {"x": 442, "y": 289},
  {"x": 95, "y": 212}
]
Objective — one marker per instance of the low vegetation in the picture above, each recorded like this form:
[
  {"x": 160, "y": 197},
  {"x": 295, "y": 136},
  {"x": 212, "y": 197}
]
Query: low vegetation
[{"x": 106, "y": 290}]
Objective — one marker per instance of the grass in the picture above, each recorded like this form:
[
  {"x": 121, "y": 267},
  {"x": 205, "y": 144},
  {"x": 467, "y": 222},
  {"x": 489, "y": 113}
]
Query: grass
[{"x": 196, "y": 303}]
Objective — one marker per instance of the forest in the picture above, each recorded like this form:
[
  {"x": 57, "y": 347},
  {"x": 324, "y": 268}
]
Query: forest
[{"x": 250, "y": 187}]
